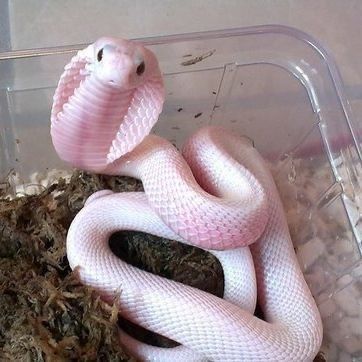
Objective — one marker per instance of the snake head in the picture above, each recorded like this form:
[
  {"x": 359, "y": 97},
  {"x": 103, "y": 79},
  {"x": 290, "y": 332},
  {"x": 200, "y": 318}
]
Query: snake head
[
  {"x": 107, "y": 100},
  {"x": 123, "y": 64}
]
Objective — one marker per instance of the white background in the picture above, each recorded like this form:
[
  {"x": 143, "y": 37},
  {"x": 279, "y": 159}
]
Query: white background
[{"x": 337, "y": 24}]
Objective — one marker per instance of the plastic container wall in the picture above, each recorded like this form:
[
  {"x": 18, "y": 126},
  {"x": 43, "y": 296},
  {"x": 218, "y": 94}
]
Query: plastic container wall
[{"x": 274, "y": 84}]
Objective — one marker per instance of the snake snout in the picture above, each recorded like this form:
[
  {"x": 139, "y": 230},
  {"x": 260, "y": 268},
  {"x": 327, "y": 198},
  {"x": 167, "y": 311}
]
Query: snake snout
[{"x": 120, "y": 66}]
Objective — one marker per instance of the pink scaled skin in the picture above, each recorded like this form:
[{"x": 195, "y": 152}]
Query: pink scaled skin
[
  {"x": 218, "y": 196},
  {"x": 101, "y": 114}
]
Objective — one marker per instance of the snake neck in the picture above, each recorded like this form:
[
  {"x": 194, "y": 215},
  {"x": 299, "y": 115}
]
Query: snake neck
[
  {"x": 143, "y": 158},
  {"x": 102, "y": 100}
]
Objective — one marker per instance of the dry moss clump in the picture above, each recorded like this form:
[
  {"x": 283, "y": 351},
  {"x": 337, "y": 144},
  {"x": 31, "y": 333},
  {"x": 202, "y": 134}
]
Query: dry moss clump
[{"x": 45, "y": 313}]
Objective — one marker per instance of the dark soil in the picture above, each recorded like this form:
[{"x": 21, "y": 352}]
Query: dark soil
[{"x": 45, "y": 313}]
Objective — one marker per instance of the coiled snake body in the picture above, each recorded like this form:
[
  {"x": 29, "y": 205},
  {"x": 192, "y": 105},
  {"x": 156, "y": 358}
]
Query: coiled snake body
[{"x": 219, "y": 195}]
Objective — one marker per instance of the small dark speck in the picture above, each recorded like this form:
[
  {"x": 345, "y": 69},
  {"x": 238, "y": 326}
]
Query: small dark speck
[
  {"x": 187, "y": 55},
  {"x": 170, "y": 93},
  {"x": 213, "y": 92},
  {"x": 180, "y": 109},
  {"x": 233, "y": 121},
  {"x": 199, "y": 58},
  {"x": 17, "y": 141},
  {"x": 198, "y": 115},
  {"x": 320, "y": 357},
  {"x": 17, "y": 160},
  {"x": 175, "y": 127},
  {"x": 241, "y": 83}
]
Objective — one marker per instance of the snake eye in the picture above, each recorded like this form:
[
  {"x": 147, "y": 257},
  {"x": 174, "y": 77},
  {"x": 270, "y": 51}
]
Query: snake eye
[
  {"x": 100, "y": 55},
  {"x": 141, "y": 68}
]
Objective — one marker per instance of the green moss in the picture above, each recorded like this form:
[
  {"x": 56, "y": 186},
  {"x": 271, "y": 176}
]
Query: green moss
[{"x": 45, "y": 313}]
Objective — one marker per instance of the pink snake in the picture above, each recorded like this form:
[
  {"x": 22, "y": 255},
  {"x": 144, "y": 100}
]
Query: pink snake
[{"x": 218, "y": 195}]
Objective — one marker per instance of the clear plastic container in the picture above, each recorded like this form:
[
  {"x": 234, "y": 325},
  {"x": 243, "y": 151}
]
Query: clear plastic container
[{"x": 274, "y": 84}]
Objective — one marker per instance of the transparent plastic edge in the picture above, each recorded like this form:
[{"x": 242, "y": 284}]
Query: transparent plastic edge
[{"x": 262, "y": 29}]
